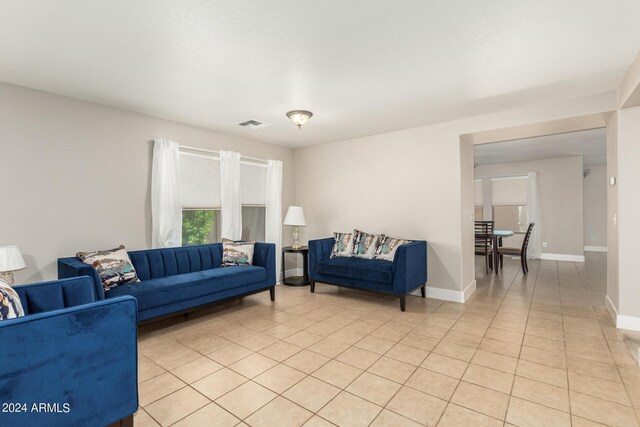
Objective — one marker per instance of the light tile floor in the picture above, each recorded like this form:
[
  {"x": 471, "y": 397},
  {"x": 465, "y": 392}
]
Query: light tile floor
[{"x": 526, "y": 351}]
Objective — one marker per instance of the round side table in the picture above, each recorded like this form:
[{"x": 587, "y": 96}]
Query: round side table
[{"x": 296, "y": 280}]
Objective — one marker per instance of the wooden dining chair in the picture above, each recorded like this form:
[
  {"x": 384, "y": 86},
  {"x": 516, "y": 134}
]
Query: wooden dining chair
[
  {"x": 518, "y": 251},
  {"x": 483, "y": 237}
]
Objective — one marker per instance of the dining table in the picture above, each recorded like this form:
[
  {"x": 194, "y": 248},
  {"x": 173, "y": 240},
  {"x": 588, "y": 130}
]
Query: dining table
[{"x": 496, "y": 240}]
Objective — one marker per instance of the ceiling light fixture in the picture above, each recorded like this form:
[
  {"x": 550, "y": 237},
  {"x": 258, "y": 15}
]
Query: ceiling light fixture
[{"x": 299, "y": 117}]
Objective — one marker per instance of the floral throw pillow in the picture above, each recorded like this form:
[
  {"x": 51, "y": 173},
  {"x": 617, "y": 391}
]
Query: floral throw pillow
[
  {"x": 10, "y": 305},
  {"x": 113, "y": 266},
  {"x": 365, "y": 244},
  {"x": 388, "y": 246},
  {"x": 236, "y": 253},
  {"x": 342, "y": 244}
]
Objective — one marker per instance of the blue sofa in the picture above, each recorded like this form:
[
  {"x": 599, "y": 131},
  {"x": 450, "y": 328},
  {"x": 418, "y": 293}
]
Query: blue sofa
[
  {"x": 71, "y": 360},
  {"x": 405, "y": 274},
  {"x": 177, "y": 279}
]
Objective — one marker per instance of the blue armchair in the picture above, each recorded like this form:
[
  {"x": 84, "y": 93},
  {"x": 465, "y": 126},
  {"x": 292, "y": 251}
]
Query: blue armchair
[
  {"x": 405, "y": 274},
  {"x": 71, "y": 360}
]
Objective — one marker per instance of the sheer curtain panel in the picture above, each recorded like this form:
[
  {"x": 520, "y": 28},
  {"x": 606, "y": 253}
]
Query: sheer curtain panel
[
  {"x": 166, "y": 202},
  {"x": 231, "y": 195},
  {"x": 273, "y": 214}
]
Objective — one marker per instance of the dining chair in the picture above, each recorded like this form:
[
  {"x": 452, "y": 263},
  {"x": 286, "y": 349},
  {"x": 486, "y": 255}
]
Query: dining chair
[
  {"x": 518, "y": 251},
  {"x": 483, "y": 237}
]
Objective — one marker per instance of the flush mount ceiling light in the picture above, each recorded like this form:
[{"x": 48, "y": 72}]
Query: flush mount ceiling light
[{"x": 299, "y": 117}]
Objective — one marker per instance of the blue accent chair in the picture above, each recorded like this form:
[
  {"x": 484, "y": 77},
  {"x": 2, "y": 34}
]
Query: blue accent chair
[
  {"x": 71, "y": 360},
  {"x": 177, "y": 279},
  {"x": 405, "y": 274}
]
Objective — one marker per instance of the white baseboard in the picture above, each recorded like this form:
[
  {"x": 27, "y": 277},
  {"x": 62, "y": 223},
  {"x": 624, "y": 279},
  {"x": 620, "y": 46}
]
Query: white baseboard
[
  {"x": 629, "y": 323},
  {"x": 449, "y": 295},
  {"x": 293, "y": 272},
  {"x": 596, "y": 249},
  {"x": 563, "y": 257}
]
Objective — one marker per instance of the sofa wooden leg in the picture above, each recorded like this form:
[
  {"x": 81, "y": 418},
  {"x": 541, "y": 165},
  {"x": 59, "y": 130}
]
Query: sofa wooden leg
[
  {"x": 272, "y": 293},
  {"x": 125, "y": 422},
  {"x": 423, "y": 291},
  {"x": 403, "y": 302},
  {"x": 312, "y": 285}
]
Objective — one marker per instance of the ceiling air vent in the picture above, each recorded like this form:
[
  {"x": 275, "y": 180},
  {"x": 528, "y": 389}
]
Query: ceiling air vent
[{"x": 254, "y": 124}]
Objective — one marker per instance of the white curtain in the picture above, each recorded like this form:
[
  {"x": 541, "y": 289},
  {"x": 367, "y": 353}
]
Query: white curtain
[
  {"x": 273, "y": 214},
  {"x": 534, "y": 214},
  {"x": 230, "y": 195},
  {"x": 166, "y": 202}
]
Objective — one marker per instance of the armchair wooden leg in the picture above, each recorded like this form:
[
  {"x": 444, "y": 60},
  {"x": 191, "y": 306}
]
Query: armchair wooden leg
[
  {"x": 423, "y": 291},
  {"x": 403, "y": 302},
  {"x": 312, "y": 285},
  {"x": 272, "y": 293}
]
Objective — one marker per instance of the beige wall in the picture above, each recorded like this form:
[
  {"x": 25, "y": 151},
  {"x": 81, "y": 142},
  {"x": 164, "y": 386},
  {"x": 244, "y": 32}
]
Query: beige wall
[
  {"x": 405, "y": 184},
  {"x": 629, "y": 212},
  {"x": 560, "y": 187},
  {"x": 595, "y": 206},
  {"x": 76, "y": 175}
]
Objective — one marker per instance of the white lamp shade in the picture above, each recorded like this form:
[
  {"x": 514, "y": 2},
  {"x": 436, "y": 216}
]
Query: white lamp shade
[
  {"x": 11, "y": 259},
  {"x": 295, "y": 216}
]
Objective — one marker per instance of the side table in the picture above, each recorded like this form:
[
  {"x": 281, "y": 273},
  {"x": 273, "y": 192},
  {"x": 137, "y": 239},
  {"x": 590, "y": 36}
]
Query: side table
[{"x": 296, "y": 280}]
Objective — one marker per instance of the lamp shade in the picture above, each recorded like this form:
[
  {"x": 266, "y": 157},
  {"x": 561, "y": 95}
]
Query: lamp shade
[
  {"x": 11, "y": 259},
  {"x": 295, "y": 216}
]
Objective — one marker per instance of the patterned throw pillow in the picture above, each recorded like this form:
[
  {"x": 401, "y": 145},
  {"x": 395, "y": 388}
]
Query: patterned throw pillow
[
  {"x": 365, "y": 244},
  {"x": 342, "y": 244},
  {"x": 388, "y": 246},
  {"x": 236, "y": 253},
  {"x": 113, "y": 266},
  {"x": 10, "y": 305}
]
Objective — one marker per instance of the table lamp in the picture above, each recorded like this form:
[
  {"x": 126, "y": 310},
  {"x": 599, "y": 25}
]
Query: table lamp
[
  {"x": 10, "y": 261},
  {"x": 295, "y": 217}
]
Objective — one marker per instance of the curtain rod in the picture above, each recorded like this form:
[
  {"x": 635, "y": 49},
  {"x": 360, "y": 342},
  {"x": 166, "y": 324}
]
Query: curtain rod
[
  {"x": 515, "y": 175},
  {"x": 204, "y": 150}
]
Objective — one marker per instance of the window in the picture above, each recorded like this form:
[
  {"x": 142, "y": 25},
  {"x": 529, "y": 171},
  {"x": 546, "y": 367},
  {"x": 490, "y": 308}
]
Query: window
[
  {"x": 509, "y": 203},
  {"x": 200, "y": 226},
  {"x": 201, "y": 205},
  {"x": 513, "y": 218},
  {"x": 200, "y": 183},
  {"x": 253, "y": 222},
  {"x": 477, "y": 214}
]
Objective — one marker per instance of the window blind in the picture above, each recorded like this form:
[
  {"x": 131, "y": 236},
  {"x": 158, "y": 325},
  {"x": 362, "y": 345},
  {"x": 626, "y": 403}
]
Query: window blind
[
  {"x": 200, "y": 181},
  {"x": 253, "y": 184},
  {"x": 509, "y": 190}
]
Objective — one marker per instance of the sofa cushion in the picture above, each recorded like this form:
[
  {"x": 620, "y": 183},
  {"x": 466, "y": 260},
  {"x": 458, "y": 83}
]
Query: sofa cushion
[
  {"x": 387, "y": 248},
  {"x": 342, "y": 244},
  {"x": 166, "y": 290},
  {"x": 10, "y": 305},
  {"x": 365, "y": 244},
  {"x": 113, "y": 266},
  {"x": 357, "y": 268},
  {"x": 236, "y": 253}
]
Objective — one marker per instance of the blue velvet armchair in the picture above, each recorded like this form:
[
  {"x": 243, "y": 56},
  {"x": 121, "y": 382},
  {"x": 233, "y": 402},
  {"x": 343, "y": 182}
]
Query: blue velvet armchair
[{"x": 71, "y": 360}]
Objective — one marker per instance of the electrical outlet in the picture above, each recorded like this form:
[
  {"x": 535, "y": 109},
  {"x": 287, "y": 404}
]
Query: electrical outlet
[{"x": 544, "y": 244}]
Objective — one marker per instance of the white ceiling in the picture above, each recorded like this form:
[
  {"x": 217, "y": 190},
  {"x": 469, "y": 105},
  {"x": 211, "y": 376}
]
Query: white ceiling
[
  {"x": 591, "y": 144},
  {"x": 363, "y": 67}
]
